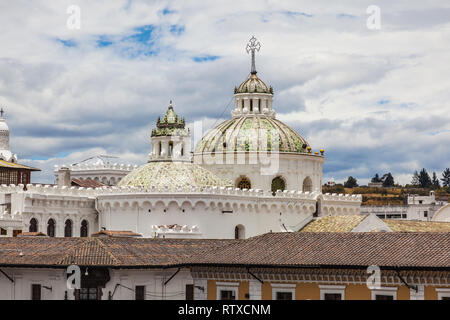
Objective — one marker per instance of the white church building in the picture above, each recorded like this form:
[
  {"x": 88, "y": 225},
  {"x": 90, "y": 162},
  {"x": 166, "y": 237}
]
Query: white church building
[{"x": 250, "y": 175}]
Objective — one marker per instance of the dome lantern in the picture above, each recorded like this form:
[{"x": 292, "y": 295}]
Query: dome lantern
[
  {"x": 253, "y": 96},
  {"x": 171, "y": 141}
]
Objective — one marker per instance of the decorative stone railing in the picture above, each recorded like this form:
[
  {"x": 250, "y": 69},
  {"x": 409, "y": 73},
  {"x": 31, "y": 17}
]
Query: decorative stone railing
[
  {"x": 342, "y": 197},
  {"x": 99, "y": 166},
  {"x": 252, "y": 193},
  {"x": 175, "y": 229}
]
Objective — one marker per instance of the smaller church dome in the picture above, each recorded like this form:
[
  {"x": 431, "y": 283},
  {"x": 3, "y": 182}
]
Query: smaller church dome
[
  {"x": 174, "y": 175},
  {"x": 3, "y": 125},
  {"x": 253, "y": 85}
]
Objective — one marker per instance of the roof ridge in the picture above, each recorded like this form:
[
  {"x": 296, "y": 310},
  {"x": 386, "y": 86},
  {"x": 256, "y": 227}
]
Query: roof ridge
[{"x": 104, "y": 247}]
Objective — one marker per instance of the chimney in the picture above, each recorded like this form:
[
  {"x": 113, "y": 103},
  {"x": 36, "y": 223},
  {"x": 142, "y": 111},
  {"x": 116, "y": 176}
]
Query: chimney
[{"x": 64, "y": 179}]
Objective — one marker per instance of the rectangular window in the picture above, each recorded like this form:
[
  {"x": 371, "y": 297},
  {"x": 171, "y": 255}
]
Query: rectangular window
[
  {"x": 384, "y": 297},
  {"x": 443, "y": 293},
  {"x": 227, "y": 290},
  {"x": 189, "y": 292},
  {"x": 332, "y": 296},
  {"x": 227, "y": 295},
  {"x": 35, "y": 292},
  {"x": 283, "y": 296},
  {"x": 425, "y": 214},
  {"x": 386, "y": 293},
  {"x": 283, "y": 291},
  {"x": 332, "y": 292},
  {"x": 88, "y": 293},
  {"x": 139, "y": 293}
]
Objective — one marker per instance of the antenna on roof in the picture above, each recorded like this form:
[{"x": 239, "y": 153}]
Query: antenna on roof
[{"x": 101, "y": 157}]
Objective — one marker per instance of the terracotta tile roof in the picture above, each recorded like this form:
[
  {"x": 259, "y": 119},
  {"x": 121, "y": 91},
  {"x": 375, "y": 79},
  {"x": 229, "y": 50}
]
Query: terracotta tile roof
[
  {"x": 388, "y": 249},
  {"x": 385, "y": 249},
  {"x": 343, "y": 223},
  {"x": 417, "y": 226},
  {"x": 88, "y": 183},
  {"x": 114, "y": 252},
  {"x": 115, "y": 233}
]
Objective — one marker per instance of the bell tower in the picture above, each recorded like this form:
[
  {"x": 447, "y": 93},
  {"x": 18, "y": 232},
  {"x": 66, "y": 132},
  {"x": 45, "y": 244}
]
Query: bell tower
[{"x": 171, "y": 141}]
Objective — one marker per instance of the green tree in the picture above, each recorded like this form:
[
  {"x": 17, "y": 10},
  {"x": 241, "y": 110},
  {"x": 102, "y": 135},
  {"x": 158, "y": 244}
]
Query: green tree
[
  {"x": 435, "y": 181},
  {"x": 388, "y": 180},
  {"x": 424, "y": 179},
  {"x": 351, "y": 182},
  {"x": 415, "y": 179},
  {"x": 446, "y": 177},
  {"x": 376, "y": 178}
]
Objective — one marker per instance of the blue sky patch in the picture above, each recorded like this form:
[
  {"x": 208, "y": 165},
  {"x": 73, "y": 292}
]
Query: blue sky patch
[
  {"x": 104, "y": 41},
  {"x": 68, "y": 43},
  {"x": 205, "y": 58},
  {"x": 383, "y": 101},
  {"x": 167, "y": 11},
  {"x": 345, "y": 16},
  {"x": 143, "y": 34},
  {"x": 297, "y": 13},
  {"x": 176, "y": 29}
]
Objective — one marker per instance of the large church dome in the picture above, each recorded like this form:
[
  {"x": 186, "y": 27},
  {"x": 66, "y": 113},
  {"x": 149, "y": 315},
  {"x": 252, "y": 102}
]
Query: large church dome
[
  {"x": 248, "y": 133},
  {"x": 174, "y": 175}
]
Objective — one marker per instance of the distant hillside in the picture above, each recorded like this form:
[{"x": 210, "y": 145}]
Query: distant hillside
[{"x": 387, "y": 196}]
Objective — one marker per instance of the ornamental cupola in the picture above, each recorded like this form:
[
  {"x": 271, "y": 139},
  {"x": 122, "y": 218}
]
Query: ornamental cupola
[
  {"x": 253, "y": 96},
  {"x": 171, "y": 141},
  {"x": 5, "y": 152}
]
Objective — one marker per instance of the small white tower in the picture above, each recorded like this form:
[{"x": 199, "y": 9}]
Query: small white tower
[
  {"x": 5, "y": 152},
  {"x": 171, "y": 141}
]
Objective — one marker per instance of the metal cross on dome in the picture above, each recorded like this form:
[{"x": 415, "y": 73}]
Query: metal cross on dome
[{"x": 252, "y": 46}]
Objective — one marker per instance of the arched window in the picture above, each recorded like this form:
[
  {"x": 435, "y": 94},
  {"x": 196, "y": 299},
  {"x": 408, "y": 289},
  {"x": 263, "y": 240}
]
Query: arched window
[
  {"x": 239, "y": 232},
  {"x": 68, "y": 229},
  {"x": 278, "y": 183},
  {"x": 84, "y": 229},
  {"x": 33, "y": 225},
  {"x": 159, "y": 148},
  {"x": 243, "y": 183},
  {"x": 251, "y": 104},
  {"x": 51, "y": 228},
  {"x": 242, "y": 104},
  {"x": 307, "y": 184},
  {"x": 182, "y": 150}
]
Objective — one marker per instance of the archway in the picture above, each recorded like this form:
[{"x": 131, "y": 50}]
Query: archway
[
  {"x": 243, "y": 183},
  {"x": 278, "y": 183},
  {"x": 33, "y": 225},
  {"x": 68, "y": 228},
  {"x": 307, "y": 185},
  {"x": 239, "y": 232},
  {"x": 84, "y": 229},
  {"x": 51, "y": 228}
]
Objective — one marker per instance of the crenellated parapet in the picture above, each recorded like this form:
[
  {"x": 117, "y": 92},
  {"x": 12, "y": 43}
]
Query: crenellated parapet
[{"x": 222, "y": 191}]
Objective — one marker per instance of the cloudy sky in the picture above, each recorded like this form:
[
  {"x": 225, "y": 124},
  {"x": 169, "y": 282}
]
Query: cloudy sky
[{"x": 376, "y": 100}]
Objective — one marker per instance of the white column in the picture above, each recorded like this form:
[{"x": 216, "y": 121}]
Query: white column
[
  {"x": 419, "y": 295},
  {"x": 255, "y": 290}
]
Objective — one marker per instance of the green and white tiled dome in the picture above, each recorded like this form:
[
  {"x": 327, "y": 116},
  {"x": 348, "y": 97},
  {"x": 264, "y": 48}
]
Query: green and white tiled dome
[
  {"x": 246, "y": 133},
  {"x": 174, "y": 175}
]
